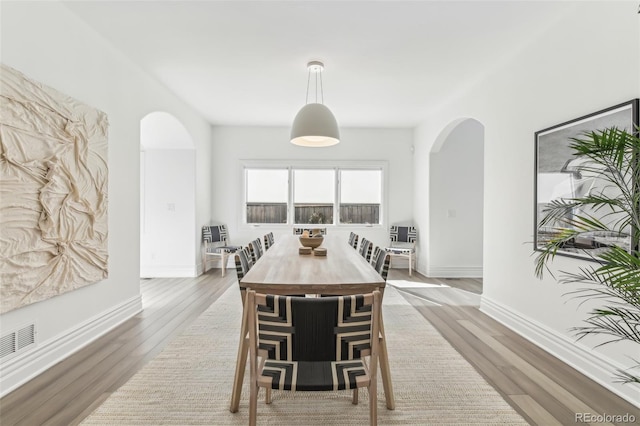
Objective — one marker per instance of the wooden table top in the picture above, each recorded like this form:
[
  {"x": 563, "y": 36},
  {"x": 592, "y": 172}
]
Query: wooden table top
[{"x": 282, "y": 270}]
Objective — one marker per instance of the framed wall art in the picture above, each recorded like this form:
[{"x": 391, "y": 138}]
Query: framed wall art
[
  {"x": 558, "y": 178},
  {"x": 53, "y": 192}
]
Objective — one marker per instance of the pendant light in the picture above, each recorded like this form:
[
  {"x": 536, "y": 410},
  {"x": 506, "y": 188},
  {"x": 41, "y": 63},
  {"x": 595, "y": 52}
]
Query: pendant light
[{"x": 315, "y": 125}]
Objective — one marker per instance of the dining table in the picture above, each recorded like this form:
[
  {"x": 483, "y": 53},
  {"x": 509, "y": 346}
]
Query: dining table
[{"x": 282, "y": 270}]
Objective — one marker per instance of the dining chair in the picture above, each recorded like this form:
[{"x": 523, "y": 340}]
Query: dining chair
[
  {"x": 216, "y": 245},
  {"x": 403, "y": 243},
  {"x": 255, "y": 247},
  {"x": 365, "y": 249},
  {"x": 374, "y": 257},
  {"x": 380, "y": 262},
  {"x": 353, "y": 240},
  {"x": 268, "y": 240},
  {"x": 300, "y": 231},
  {"x": 313, "y": 344},
  {"x": 243, "y": 265}
]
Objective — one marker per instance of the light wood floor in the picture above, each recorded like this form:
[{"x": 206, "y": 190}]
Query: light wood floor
[{"x": 540, "y": 387}]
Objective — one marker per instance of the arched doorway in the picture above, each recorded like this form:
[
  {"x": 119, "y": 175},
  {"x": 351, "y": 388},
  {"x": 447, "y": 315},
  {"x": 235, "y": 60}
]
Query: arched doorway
[
  {"x": 456, "y": 193},
  {"x": 167, "y": 198}
]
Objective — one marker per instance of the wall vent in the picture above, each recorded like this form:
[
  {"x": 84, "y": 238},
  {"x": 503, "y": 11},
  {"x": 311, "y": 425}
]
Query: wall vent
[{"x": 17, "y": 341}]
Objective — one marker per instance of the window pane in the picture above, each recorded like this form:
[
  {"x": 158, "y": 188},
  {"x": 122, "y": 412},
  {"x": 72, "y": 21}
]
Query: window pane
[
  {"x": 360, "y": 196},
  {"x": 313, "y": 195},
  {"x": 267, "y": 195}
]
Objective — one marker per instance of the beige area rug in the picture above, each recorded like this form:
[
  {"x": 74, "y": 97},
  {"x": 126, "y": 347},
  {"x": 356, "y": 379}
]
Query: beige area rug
[{"x": 189, "y": 383}]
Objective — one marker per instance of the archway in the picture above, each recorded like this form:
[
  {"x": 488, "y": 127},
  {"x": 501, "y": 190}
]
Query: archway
[
  {"x": 456, "y": 193},
  {"x": 167, "y": 197}
]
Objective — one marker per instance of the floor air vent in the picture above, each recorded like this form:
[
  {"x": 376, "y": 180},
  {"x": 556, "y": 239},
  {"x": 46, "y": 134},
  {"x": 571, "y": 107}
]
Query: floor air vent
[{"x": 17, "y": 341}]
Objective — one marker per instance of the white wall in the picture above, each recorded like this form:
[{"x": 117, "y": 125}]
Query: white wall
[
  {"x": 48, "y": 43},
  {"x": 233, "y": 144},
  {"x": 587, "y": 60},
  {"x": 456, "y": 203},
  {"x": 168, "y": 220},
  {"x": 167, "y": 199}
]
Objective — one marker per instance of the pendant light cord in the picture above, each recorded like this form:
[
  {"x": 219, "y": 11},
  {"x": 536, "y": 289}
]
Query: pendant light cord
[
  {"x": 306, "y": 99},
  {"x": 321, "y": 89}
]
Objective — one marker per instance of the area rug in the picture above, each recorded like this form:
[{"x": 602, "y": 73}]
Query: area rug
[{"x": 189, "y": 382}]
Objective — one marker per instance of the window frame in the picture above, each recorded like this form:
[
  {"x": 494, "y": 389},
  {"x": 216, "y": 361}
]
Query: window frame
[
  {"x": 338, "y": 193},
  {"x": 336, "y": 166},
  {"x": 245, "y": 186},
  {"x": 292, "y": 187}
]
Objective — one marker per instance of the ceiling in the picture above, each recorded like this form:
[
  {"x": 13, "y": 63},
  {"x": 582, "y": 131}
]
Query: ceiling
[{"x": 387, "y": 63}]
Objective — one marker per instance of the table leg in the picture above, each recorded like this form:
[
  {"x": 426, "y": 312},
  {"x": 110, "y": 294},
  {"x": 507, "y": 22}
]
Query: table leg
[
  {"x": 384, "y": 369},
  {"x": 241, "y": 362}
]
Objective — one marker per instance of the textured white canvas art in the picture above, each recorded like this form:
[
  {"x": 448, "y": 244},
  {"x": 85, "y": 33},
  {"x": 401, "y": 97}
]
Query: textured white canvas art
[{"x": 53, "y": 192}]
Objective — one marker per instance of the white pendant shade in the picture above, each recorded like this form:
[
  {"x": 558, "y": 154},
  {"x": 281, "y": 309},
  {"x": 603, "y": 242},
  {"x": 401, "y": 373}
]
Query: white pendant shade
[{"x": 315, "y": 126}]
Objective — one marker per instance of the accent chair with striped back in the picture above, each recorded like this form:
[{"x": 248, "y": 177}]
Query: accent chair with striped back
[
  {"x": 403, "y": 243},
  {"x": 215, "y": 242}
]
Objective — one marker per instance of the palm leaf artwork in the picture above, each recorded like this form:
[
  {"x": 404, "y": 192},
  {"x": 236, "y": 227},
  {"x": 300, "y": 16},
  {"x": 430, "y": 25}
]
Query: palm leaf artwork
[{"x": 612, "y": 211}]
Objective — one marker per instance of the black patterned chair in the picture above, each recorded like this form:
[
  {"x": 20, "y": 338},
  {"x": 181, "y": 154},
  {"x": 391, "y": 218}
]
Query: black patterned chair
[
  {"x": 255, "y": 247},
  {"x": 243, "y": 265},
  {"x": 403, "y": 243},
  {"x": 313, "y": 344},
  {"x": 353, "y": 240},
  {"x": 300, "y": 231},
  {"x": 374, "y": 257},
  {"x": 365, "y": 249},
  {"x": 380, "y": 262},
  {"x": 216, "y": 245},
  {"x": 269, "y": 240}
]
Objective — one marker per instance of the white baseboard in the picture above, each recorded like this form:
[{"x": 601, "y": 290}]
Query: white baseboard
[
  {"x": 217, "y": 263},
  {"x": 582, "y": 358},
  {"x": 169, "y": 271},
  {"x": 20, "y": 369},
  {"x": 455, "y": 271}
]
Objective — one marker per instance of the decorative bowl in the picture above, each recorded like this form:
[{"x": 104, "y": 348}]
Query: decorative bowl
[{"x": 312, "y": 242}]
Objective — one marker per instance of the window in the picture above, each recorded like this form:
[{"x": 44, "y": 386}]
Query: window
[
  {"x": 267, "y": 195},
  {"x": 314, "y": 193},
  {"x": 360, "y": 196}
]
